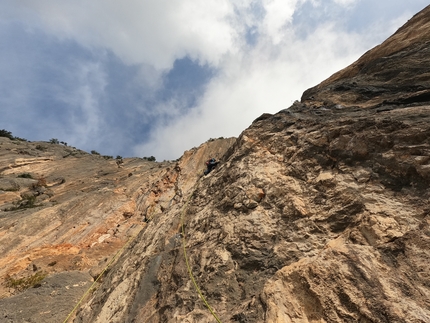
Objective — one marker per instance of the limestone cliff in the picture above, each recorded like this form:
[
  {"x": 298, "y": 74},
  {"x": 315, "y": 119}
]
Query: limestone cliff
[
  {"x": 64, "y": 213},
  {"x": 319, "y": 213},
  {"x": 394, "y": 73}
]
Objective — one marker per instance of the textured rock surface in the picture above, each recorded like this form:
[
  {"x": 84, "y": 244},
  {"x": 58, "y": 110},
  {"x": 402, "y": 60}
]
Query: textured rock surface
[
  {"x": 76, "y": 211},
  {"x": 51, "y": 302},
  {"x": 293, "y": 228},
  {"x": 395, "y": 72},
  {"x": 320, "y": 213}
]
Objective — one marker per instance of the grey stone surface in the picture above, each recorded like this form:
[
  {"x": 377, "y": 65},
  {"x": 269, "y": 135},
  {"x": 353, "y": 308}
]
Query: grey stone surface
[{"x": 51, "y": 302}]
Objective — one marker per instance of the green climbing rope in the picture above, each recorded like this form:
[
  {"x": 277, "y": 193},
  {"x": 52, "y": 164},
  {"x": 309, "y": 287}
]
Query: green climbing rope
[{"x": 188, "y": 264}]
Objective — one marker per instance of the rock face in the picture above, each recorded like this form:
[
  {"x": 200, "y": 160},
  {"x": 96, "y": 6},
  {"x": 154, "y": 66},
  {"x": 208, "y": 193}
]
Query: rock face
[
  {"x": 319, "y": 213},
  {"x": 63, "y": 210},
  {"x": 393, "y": 73},
  {"x": 307, "y": 221},
  {"x": 50, "y": 302}
]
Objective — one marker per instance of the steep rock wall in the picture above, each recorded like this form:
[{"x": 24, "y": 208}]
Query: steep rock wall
[
  {"x": 319, "y": 213},
  {"x": 71, "y": 212},
  {"x": 307, "y": 220},
  {"x": 395, "y": 72}
]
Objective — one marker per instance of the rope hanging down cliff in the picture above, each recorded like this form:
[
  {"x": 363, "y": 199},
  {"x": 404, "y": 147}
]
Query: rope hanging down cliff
[
  {"x": 188, "y": 265},
  {"x": 186, "y": 261},
  {"x": 99, "y": 276}
]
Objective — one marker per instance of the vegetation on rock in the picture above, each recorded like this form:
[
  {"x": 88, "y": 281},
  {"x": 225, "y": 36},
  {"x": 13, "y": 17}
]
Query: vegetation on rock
[{"x": 21, "y": 284}]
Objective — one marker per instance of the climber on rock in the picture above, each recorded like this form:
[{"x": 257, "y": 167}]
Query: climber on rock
[{"x": 211, "y": 164}]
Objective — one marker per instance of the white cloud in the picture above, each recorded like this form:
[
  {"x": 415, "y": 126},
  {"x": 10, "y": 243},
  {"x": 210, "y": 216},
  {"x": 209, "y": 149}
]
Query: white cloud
[
  {"x": 346, "y": 2},
  {"x": 264, "y": 75},
  {"x": 278, "y": 14},
  {"x": 154, "y": 32},
  {"x": 157, "y": 32},
  {"x": 262, "y": 80},
  {"x": 86, "y": 115}
]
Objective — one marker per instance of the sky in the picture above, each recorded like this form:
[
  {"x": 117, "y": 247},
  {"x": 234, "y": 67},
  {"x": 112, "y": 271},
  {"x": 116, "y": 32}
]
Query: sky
[{"x": 140, "y": 78}]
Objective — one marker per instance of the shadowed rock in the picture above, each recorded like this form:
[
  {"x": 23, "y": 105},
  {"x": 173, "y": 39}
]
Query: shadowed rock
[{"x": 318, "y": 213}]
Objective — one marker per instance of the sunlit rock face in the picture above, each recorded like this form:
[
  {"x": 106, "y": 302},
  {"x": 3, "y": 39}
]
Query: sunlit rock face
[
  {"x": 395, "y": 73},
  {"x": 319, "y": 213},
  {"x": 64, "y": 213}
]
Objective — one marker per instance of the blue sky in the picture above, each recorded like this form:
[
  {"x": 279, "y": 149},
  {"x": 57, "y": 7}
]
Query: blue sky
[{"x": 158, "y": 77}]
